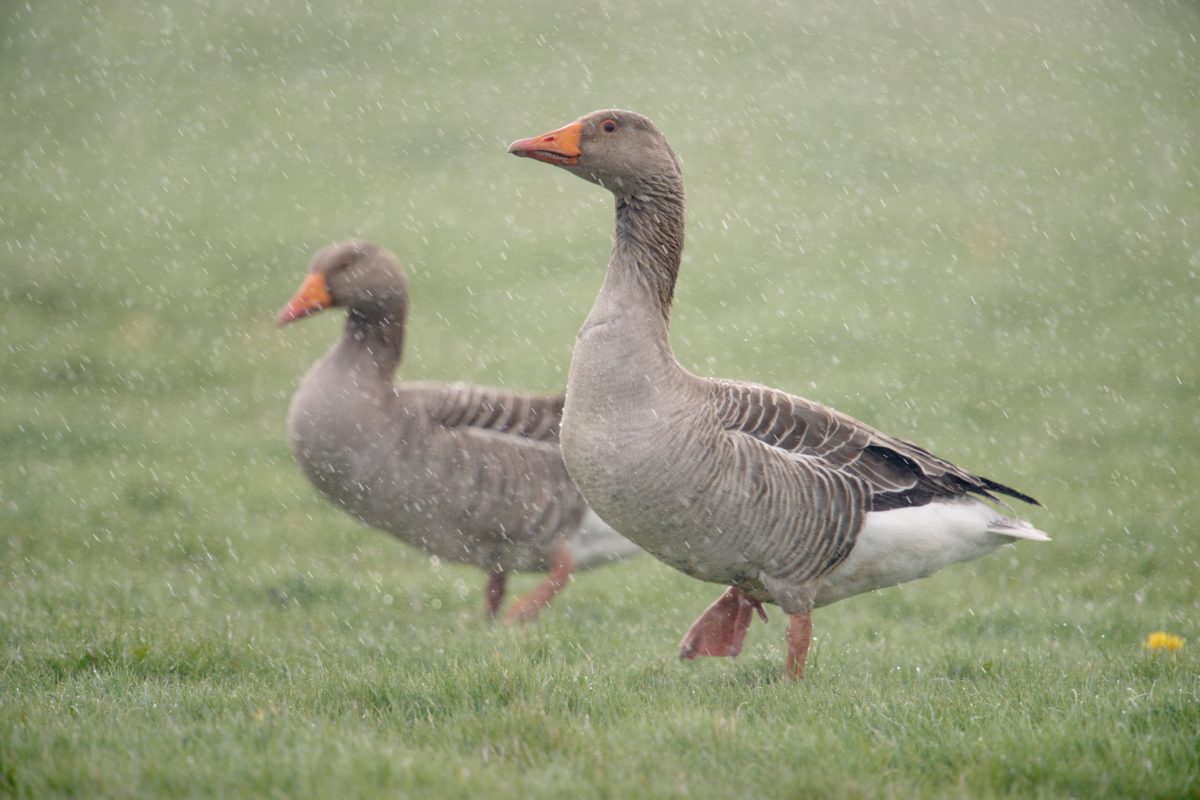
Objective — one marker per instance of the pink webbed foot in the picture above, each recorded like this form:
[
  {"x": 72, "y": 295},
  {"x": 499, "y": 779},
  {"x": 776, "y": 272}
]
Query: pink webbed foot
[{"x": 722, "y": 627}]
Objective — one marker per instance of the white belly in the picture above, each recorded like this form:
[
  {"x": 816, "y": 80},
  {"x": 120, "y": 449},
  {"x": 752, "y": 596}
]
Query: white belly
[{"x": 908, "y": 543}]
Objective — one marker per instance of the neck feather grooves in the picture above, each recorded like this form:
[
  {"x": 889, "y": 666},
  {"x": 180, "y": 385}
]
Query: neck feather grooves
[
  {"x": 379, "y": 332},
  {"x": 648, "y": 240}
]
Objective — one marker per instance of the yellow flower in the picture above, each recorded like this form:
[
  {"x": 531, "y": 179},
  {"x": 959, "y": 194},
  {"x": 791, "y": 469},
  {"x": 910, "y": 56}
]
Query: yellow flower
[{"x": 1161, "y": 640}]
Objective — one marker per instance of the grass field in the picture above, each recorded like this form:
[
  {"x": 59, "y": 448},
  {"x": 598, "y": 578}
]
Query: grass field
[{"x": 973, "y": 225}]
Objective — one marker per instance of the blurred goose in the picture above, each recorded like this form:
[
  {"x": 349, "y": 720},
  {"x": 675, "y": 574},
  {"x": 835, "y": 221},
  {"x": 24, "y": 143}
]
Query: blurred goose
[
  {"x": 784, "y": 500},
  {"x": 467, "y": 473}
]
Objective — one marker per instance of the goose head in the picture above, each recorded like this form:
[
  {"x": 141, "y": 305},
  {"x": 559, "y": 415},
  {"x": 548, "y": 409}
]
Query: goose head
[
  {"x": 359, "y": 276},
  {"x": 619, "y": 150}
]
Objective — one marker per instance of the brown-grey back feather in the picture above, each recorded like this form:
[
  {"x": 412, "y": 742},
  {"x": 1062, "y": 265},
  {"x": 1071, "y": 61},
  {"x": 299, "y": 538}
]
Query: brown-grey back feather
[
  {"x": 896, "y": 472},
  {"x": 529, "y": 416}
]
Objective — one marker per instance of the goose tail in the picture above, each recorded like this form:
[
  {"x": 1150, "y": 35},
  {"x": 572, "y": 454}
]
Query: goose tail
[{"x": 1016, "y": 529}]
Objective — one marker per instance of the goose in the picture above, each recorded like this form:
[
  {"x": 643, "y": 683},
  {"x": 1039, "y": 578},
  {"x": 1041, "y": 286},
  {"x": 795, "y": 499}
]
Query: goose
[
  {"x": 781, "y": 499},
  {"x": 470, "y": 474}
]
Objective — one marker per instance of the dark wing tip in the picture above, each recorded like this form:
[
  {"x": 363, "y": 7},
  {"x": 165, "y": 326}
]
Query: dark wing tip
[{"x": 1000, "y": 488}]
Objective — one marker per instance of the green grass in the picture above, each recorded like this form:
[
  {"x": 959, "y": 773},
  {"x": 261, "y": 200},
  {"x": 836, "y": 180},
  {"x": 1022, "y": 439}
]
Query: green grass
[{"x": 972, "y": 225}]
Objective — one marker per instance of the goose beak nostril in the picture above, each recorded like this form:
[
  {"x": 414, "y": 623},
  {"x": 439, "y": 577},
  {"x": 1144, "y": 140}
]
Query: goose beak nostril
[{"x": 556, "y": 147}]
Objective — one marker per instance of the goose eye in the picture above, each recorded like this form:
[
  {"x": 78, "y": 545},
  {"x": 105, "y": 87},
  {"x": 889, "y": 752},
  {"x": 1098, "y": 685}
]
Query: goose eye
[{"x": 608, "y": 126}]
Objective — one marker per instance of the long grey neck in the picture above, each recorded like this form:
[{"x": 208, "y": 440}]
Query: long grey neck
[
  {"x": 626, "y": 339},
  {"x": 373, "y": 339},
  {"x": 648, "y": 240}
]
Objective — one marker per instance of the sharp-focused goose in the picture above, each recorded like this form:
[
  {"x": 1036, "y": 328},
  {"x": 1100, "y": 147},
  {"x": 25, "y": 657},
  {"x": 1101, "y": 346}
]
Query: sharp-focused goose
[
  {"x": 785, "y": 500},
  {"x": 468, "y": 473}
]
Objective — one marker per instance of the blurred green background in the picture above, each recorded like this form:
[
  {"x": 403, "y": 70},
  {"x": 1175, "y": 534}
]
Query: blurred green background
[{"x": 972, "y": 225}]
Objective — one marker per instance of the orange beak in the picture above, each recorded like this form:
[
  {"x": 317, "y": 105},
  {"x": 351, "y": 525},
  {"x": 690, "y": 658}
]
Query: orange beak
[
  {"x": 556, "y": 147},
  {"x": 311, "y": 297}
]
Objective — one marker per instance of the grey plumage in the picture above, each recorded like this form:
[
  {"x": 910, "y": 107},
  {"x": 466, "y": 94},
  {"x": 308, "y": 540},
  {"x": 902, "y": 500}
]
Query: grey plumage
[
  {"x": 735, "y": 482},
  {"x": 468, "y": 473}
]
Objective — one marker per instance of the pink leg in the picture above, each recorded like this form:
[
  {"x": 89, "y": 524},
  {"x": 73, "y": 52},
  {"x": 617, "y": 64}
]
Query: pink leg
[
  {"x": 722, "y": 627},
  {"x": 528, "y": 607},
  {"x": 493, "y": 593},
  {"x": 799, "y": 636}
]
